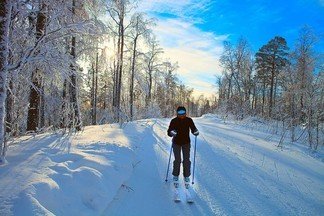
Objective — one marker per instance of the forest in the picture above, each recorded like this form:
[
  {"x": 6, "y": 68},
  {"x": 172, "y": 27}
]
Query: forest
[
  {"x": 277, "y": 83},
  {"x": 67, "y": 64}
]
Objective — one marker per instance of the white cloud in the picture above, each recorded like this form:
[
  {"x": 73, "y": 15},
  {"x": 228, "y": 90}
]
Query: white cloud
[
  {"x": 196, "y": 51},
  {"x": 186, "y": 9}
]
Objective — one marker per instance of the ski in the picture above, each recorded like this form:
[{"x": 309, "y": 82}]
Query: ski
[
  {"x": 189, "y": 198},
  {"x": 176, "y": 197}
]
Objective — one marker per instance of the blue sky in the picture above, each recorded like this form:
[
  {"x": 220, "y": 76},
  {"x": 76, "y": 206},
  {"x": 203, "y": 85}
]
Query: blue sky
[
  {"x": 192, "y": 32},
  {"x": 261, "y": 20}
]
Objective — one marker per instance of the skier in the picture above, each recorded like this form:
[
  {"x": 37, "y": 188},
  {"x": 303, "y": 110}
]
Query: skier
[{"x": 179, "y": 131}]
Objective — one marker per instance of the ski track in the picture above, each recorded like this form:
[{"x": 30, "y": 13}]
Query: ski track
[
  {"x": 272, "y": 193},
  {"x": 148, "y": 185},
  {"x": 237, "y": 173}
]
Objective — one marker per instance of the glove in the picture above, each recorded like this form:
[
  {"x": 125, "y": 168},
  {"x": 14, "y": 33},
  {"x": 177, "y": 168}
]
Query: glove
[
  {"x": 196, "y": 133},
  {"x": 173, "y": 133}
]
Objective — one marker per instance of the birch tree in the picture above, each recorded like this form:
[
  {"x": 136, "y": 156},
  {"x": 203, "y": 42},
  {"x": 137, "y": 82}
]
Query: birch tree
[
  {"x": 140, "y": 27},
  {"x": 5, "y": 14},
  {"x": 118, "y": 10},
  {"x": 151, "y": 65}
]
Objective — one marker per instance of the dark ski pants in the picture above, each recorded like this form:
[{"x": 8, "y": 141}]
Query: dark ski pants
[{"x": 177, "y": 159}]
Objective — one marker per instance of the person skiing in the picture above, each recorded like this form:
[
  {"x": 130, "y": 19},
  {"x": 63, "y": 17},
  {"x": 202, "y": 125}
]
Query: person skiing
[{"x": 179, "y": 131}]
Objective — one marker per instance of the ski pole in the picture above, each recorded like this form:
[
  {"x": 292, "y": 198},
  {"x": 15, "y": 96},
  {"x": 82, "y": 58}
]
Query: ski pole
[
  {"x": 194, "y": 163},
  {"x": 166, "y": 178}
]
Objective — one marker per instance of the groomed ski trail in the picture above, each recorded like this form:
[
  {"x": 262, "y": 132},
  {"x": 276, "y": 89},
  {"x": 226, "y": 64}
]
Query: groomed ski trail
[
  {"x": 146, "y": 192},
  {"x": 239, "y": 172}
]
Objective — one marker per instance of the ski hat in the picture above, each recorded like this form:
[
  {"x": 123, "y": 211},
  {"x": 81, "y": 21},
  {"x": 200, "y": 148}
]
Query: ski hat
[{"x": 181, "y": 110}]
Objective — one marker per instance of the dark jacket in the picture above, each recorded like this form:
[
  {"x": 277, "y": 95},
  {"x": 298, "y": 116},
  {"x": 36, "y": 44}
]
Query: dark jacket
[{"x": 181, "y": 126}]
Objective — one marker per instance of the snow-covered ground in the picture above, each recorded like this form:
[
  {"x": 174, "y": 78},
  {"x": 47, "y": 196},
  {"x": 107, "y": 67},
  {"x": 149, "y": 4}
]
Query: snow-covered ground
[{"x": 110, "y": 171}]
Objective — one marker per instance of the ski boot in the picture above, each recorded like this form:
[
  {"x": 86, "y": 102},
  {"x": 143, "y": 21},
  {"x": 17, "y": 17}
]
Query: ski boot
[
  {"x": 187, "y": 182},
  {"x": 176, "y": 181}
]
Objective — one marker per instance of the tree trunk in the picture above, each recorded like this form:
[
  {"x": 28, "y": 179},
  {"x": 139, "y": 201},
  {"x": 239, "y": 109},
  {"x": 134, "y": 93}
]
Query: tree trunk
[
  {"x": 275, "y": 91},
  {"x": 309, "y": 127},
  {"x": 263, "y": 96},
  {"x": 94, "y": 92},
  {"x": 34, "y": 102},
  {"x": 64, "y": 102},
  {"x": 9, "y": 107},
  {"x": 131, "y": 91},
  {"x": 292, "y": 113},
  {"x": 271, "y": 92},
  {"x": 114, "y": 83},
  {"x": 120, "y": 70},
  {"x": 5, "y": 14},
  {"x": 76, "y": 119},
  {"x": 149, "y": 96},
  {"x": 42, "y": 105},
  {"x": 229, "y": 86},
  {"x": 35, "y": 89},
  {"x": 116, "y": 75},
  {"x": 254, "y": 98},
  {"x": 96, "y": 88}
]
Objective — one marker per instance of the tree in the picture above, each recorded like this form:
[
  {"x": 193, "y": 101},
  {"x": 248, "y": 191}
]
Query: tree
[
  {"x": 76, "y": 118},
  {"x": 5, "y": 14},
  {"x": 36, "y": 89},
  {"x": 169, "y": 88},
  {"x": 53, "y": 42},
  {"x": 270, "y": 59},
  {"x": 118, "y": 10},
  {"x": 151, "y": 65},
  {"x": 238, "y": 63},
  {"x": 307, "y": 85},
  {"x": 139, "y": 28},
  {"x": 304, "y": 59},
  {"x": 94, "y": 90},
  {"x": 227, "y": 61}
]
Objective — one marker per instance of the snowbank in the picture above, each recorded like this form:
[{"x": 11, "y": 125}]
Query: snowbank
[
  {"x": 271, "y": 130},
  {"x": 52, "y": 174}
]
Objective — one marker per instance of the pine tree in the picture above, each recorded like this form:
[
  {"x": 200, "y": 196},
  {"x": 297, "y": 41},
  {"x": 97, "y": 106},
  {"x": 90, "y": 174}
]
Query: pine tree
[{"x": 270, "y": 59}]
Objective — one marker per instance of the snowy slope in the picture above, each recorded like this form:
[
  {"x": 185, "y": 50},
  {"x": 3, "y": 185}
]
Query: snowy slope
[
  {"x": 110, "y": 171},
  {"x": 51, "y": 174}
]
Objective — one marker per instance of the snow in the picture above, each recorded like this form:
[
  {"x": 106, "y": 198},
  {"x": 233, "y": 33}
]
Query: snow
[
  {"x": 54, "y": 174},
  {"x": 105, "y": 170}
]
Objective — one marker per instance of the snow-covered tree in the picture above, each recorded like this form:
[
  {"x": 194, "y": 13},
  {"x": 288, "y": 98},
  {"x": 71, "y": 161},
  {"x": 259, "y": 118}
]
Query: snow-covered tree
[{"x": 5, "y": 15}]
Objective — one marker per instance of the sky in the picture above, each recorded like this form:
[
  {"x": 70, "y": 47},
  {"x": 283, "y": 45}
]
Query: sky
[{"x": 192, "y": 32}]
